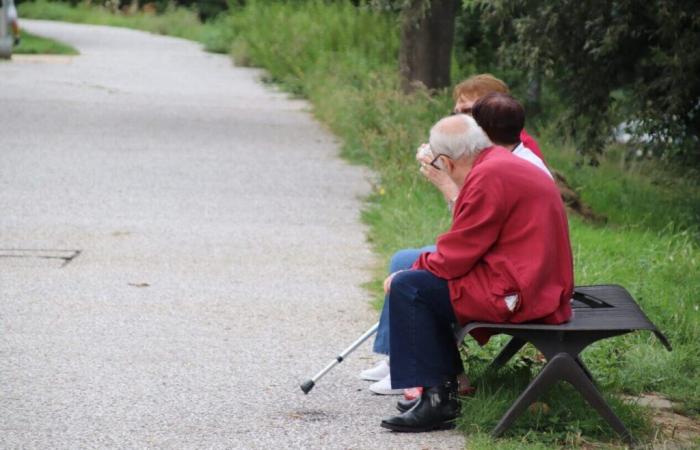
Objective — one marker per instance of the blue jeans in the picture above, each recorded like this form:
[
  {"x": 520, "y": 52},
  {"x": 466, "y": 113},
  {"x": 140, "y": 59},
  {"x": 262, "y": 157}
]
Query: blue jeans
[
  {"x": 423, "y": 347},
  {"x": 402, "y": 260}
]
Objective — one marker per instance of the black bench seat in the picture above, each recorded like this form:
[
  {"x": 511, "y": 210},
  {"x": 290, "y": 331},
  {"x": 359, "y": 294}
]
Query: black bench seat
[{"x": 600, "y": 312}]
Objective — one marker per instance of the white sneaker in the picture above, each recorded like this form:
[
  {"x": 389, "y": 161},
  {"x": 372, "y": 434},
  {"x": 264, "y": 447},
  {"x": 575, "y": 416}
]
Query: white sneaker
[
  {"x": 377, "y": 372},
  {"x": 383, "y": 387}
]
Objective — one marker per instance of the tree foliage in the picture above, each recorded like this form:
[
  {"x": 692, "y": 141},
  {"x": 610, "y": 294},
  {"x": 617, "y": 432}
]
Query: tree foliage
[{"x": 609, "y": 61}]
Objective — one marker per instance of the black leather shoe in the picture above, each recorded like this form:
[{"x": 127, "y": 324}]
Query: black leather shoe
[
  {"x": 437, "y": 409},
  {"x": 404, "y": 405}
]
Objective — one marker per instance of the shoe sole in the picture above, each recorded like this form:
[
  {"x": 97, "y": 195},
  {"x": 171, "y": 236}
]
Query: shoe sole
[
  {"x": 448, "y": 425},
  {"x": 370, "y": 378},
  {"x": 397, "y": 392}
]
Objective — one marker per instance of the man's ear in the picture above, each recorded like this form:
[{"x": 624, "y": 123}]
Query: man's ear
[{"x": 447, "y": 164}]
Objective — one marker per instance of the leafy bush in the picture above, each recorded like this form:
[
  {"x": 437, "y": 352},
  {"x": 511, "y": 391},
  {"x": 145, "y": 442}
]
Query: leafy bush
[{"x": 588, "y": 50}]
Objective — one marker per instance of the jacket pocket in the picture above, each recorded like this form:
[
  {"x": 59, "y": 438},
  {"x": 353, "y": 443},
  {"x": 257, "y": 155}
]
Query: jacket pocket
[{"x": 506, "y": 291}]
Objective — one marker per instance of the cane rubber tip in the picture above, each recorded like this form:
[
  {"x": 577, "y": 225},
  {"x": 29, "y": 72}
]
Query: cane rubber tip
[{"x": 307, "y": 385}]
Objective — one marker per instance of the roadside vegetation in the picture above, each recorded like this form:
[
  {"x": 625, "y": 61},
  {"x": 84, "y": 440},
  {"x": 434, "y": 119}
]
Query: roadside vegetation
[
  {"x": 173, "y": 21},
  {"x": 32, "y": 44},
  {"x": 344, "y": 60}
]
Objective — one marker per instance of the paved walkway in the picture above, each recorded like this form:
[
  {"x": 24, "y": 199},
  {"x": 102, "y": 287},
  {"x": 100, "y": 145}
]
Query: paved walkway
[{"x": 220, "y": 257}]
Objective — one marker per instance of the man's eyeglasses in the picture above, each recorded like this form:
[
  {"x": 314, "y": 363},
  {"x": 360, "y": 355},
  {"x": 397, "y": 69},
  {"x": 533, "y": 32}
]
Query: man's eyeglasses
[{"x": 432, "y": 163}]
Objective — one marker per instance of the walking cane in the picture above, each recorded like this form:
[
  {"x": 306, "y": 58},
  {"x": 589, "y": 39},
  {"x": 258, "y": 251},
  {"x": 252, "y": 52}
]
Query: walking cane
[{"x": 307, "y": 385}]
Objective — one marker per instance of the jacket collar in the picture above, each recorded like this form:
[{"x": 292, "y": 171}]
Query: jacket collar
[{"x": 484, "y": 155}]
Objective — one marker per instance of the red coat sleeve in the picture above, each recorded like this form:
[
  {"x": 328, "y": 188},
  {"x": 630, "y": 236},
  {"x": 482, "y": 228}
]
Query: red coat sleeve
[{"x": 478, "y": 218}]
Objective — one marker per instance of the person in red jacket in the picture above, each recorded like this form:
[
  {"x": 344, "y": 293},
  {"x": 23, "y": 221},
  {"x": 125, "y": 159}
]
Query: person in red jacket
[
  {"x": 465, "y": 95},
  {"x": 506, "y": 258}
]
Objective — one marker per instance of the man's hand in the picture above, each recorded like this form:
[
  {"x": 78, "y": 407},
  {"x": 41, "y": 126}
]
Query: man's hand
[
  {"x": 387, "y": 281},
  {"x": 439, "y": 178}
]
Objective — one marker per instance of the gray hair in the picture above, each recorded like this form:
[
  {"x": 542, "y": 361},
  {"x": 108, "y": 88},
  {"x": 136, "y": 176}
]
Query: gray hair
[{"x": 457, "y": 136}]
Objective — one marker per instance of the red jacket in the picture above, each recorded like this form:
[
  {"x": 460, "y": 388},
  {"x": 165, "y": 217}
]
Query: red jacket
[
  {"x": 529, "y": 142},
  {"x": 509, "y": 236}
]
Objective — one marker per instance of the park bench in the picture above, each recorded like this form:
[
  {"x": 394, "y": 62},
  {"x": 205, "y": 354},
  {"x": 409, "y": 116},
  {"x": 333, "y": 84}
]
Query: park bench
[{"x": 600, "y": 312}]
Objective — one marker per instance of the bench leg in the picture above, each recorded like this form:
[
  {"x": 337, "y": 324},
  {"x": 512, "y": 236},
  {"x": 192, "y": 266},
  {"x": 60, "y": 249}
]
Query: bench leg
[
  {"x": 584, "y": 368},
  {"x": 511, "y": 348},
  {"x": 562, "y": 367},
  {"x": 580, "y": 379},
  {"x": 550, "y": 374}
]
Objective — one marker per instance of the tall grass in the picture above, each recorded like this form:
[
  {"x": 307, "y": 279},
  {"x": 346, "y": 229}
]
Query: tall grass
[{"x": 642, "y": 195}]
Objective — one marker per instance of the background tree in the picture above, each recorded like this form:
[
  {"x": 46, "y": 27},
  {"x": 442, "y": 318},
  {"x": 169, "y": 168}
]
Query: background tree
[
  {"x": 609, "y": 62},
  {"x": 427, "y": 36}
]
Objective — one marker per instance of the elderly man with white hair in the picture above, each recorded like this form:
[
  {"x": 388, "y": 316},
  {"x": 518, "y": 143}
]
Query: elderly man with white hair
[{"x": 506, "y": 258}]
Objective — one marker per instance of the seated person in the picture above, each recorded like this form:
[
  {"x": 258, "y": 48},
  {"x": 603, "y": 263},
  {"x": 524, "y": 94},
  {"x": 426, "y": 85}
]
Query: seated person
[
  {"x": 506, "y": 258},
  {"x": 474, "y": 88},
  {"x": 502, "y": 117},
  {"x": 465, "y": 95}
]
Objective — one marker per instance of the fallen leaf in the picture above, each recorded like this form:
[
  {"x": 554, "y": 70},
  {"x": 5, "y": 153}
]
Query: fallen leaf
[{"x": 539, "y": 408}]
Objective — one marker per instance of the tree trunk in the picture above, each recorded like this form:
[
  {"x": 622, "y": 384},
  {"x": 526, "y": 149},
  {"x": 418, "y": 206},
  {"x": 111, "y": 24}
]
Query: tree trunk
[{"x": 427, "y": 35}]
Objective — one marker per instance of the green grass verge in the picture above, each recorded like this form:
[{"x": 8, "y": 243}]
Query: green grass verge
[
  {"x": 32, "y": 44},
  {"x": 343, "y": 59},
  {"x": 180, "y": 22},
  {"x": 560, "y": 417}
]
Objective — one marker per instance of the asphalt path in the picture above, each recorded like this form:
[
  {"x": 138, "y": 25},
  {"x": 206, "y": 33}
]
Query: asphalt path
[{"x": 180, "y": 247}]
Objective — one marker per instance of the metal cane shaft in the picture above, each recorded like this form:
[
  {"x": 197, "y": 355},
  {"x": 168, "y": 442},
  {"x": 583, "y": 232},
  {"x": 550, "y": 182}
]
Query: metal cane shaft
[
  {"x": 346, "y": 352},
  {"x": 359, "y": 341},
  {"x": 325, "y": 370}
]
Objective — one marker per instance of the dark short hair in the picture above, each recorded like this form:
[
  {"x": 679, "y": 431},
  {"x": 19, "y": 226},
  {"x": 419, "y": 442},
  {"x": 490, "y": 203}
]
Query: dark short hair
[{"x": 501, "y": 116}]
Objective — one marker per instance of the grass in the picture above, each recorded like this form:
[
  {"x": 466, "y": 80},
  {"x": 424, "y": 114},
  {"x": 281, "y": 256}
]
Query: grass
[
  {"x": 642, "y": 195},
  {"x": 343, "y": 59},
  {"x": 560, "y": 417},
  {"x": 180, "y": 22},
  {"x": 32, "y": 44}
]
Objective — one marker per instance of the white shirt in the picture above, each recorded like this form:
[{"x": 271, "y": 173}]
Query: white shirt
[{"x": 525, "y": 153}]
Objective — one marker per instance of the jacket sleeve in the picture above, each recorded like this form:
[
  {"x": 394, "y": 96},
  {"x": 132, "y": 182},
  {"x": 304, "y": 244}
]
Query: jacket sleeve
[{"x": 479, "y": 216}]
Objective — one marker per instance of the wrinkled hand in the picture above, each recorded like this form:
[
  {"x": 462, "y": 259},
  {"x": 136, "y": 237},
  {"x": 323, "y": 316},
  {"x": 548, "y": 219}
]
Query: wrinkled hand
[
  {"x": 440, "y": 179},
  {"x": 423, "y": 151}
]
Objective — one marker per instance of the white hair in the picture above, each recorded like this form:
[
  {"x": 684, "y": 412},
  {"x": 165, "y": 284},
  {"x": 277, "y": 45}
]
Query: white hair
[{"x": 458, "y": 136}]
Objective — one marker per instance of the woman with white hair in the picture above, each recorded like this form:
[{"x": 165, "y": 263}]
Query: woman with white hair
[{"x": 506, "y": 258}]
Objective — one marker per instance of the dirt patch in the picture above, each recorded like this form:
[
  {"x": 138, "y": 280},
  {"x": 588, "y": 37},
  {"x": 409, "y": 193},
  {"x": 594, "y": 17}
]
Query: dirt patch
[
  {"x": 675, "y": 431},
  {"x": 309, "y": 415}
]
